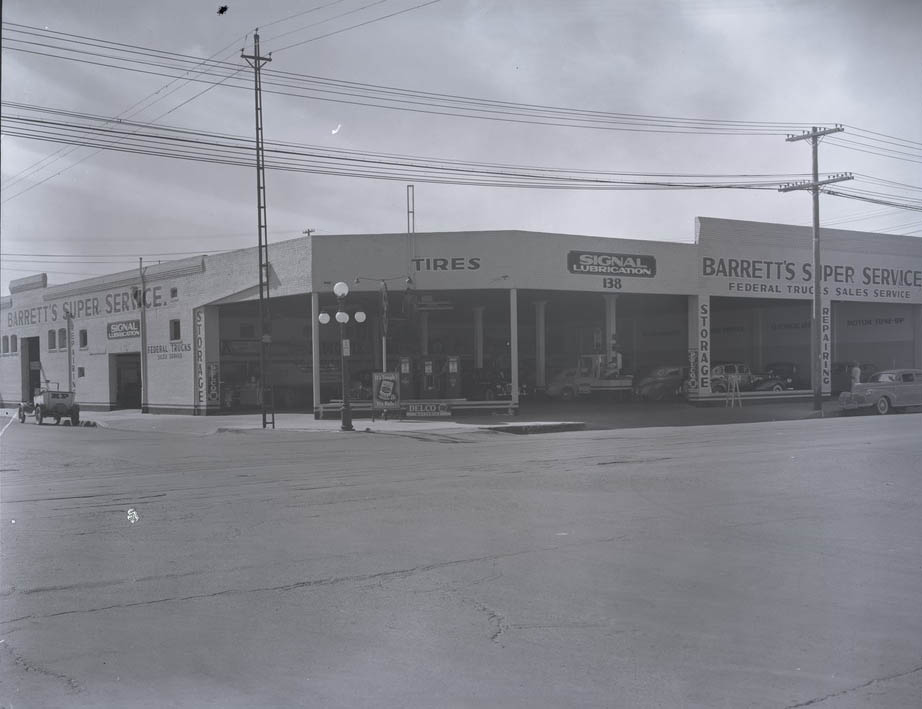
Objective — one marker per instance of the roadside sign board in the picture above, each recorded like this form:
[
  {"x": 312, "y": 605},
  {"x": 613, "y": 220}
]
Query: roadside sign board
[
  {"x": 385, "y": 391},
  {"x": 123, "y": 328}
]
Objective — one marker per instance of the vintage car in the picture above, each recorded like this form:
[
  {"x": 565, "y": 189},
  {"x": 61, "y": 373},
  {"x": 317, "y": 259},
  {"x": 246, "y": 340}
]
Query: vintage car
[
  {"x": 884, "y": 391},
  {"x": 788, "y": 373},
  {"x": 664, "y": 382},
  {"x": 747, "y": 379},
  {"x": 722, "y": 371}
]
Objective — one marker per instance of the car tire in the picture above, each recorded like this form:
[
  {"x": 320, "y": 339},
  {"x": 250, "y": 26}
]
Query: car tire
[
  {"x": 57, "y": 420},
  {"x": 38, "y": 415},
  {"x": 567, "y": 394},
  {"x": 75, "y": 417},
  {"x": 777, "y": 387},
  {"x": 719, "y": 388},
  {"x": 882, "y": 406},
  {"x": 22, "y": 415}
]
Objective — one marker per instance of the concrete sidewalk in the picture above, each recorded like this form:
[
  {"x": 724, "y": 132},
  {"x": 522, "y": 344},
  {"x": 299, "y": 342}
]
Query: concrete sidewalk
[
  {"x": 534, "y": 417},
  {"x": 206, "y": 425}
]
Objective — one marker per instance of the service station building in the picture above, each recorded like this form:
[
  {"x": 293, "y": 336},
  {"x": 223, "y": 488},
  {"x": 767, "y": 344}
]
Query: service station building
[{"x": 444, "y": 308}]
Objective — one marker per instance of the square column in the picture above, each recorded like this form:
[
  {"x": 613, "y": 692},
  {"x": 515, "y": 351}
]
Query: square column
[
  {"x": 699, "y": 344},
  {"x": 514, "y": 343},
  {"x": 612, "y": 349},
  {"x": 424, "y": 333},
  {"x": 917, "y": 336},
  {"x": 478, "y": 337},
  {"x": 207, "y": 358},
  {"x": 541, "y": 343},
  {"x": 315, "y": 352}
]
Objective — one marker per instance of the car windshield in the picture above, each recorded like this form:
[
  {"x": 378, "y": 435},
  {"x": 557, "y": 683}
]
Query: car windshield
[{"x": 884, "y": 377}]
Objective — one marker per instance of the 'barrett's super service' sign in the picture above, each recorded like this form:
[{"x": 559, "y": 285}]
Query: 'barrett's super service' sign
[{"x": 594, "y": 263}]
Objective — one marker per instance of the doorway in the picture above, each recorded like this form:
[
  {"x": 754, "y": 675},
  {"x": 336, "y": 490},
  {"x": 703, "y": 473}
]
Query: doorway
[
  {"x": 128, "y": 381},
  {"x": 31, "y": 367}
]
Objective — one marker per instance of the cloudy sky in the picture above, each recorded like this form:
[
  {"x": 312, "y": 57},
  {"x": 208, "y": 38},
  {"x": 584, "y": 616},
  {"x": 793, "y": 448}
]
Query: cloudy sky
[{"x": 79, "y": 213}]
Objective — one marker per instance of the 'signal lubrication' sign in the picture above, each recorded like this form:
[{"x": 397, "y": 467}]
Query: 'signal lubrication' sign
[
  {"x": 594, "y": 263},
  {"x": 122, "y": 329}
]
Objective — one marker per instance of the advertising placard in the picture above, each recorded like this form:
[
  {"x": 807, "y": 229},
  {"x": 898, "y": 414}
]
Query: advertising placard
[
  {"x": 385, "y": 390},
  {"x": 123, "y": 328}
]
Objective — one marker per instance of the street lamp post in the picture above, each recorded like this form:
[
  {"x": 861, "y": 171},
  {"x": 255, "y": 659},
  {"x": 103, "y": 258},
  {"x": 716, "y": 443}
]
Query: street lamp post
[{"x": 341, "y": 290}]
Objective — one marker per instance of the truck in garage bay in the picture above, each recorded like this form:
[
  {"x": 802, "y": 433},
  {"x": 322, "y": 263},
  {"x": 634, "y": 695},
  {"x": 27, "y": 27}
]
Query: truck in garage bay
[{"x": 594, "y": 373}]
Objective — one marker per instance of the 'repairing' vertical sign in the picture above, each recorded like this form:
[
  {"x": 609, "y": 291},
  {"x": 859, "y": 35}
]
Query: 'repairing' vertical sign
[
  {"x": 825, "y": 344},
  {"x": 704, "y": 345}
]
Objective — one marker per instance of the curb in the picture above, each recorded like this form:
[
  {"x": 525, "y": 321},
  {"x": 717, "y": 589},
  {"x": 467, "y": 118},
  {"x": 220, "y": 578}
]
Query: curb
[{"x": 523, "y": 429}]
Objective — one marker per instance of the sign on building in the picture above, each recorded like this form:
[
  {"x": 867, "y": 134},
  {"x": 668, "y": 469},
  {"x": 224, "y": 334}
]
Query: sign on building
[{"x": 122, "y": 329}]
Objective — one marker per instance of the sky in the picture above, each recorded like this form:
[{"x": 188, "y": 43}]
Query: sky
[{"x": 808, "y": 62}]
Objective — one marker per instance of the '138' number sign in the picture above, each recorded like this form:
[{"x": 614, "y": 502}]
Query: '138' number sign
[{"x": 611, "y": 283}]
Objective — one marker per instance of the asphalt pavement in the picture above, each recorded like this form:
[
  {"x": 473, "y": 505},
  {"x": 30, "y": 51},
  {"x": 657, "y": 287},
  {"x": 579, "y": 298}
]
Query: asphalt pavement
[{"x": 767, "y": 564}]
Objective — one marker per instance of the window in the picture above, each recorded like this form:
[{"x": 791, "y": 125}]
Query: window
[
  {"x": 83, "y": 340},
  {"x": 81, "y": 372},
  {"x": 14, "y": 344},
  {"x": 175, "y": 332},
  {"x": 51, "y": 340},
  {"x": 247, "y": 332},
  {"x": 174, "y": 293},
  {"x": 907, "y": 377},
  {"x": 62, "y": 339},
  {"x": 6, "y": 344}
]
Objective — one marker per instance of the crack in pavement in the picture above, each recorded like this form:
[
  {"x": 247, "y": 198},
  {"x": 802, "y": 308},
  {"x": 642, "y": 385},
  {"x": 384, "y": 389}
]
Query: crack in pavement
[
  {"x": 333, "y": 580},
  {"x": 29, "y": 666},
  {"x": 310, "y": 583},
  {"x": 876, "y": 680}
]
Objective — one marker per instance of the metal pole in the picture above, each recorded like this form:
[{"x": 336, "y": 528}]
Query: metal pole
[
  {"x": 346, "y": 410},
  {"x": 265, "y": 320},
  {"x": 144, "y": 405},
  {"x": 411, "y": 210}
]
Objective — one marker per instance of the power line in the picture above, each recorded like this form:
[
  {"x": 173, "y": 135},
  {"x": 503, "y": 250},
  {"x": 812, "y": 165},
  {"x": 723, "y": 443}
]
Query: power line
[
  {"x": 127, "y": 111},
  {"x": 361, "y": 24},
  {"x": 236, "y": 150},
  {"x": 454, "y": 102}
]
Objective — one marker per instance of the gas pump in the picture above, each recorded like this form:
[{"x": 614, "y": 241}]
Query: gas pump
[
  {"x": 429, "y": 381},
  {"x": 407, "y": 385},
  {"x": 453, "y": 377}
]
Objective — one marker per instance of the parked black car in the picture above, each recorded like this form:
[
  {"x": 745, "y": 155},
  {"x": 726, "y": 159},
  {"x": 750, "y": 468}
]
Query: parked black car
[
  {"x": 789, "y": 374},
  {"x": 665, "y": 382}
]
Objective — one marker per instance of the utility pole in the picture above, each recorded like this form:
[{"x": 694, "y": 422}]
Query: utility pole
[
  {"x": 145, "y": 404},
  {"x": 265, "y": 319},
  {"x": 411, "y": 210},
  {"x": 816, "y": 334}
]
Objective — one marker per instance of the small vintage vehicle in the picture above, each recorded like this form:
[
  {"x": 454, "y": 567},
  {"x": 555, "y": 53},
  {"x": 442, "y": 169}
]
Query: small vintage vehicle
[
  {"x": 664, "y": 382},
  {"x": 722, "y": 371},
  {"x": 50, "y": 403},
  {"x": 594, "y": 373},
  {"x": 748, "y": 380},
  {"x": 788, "y": 373},
  {"x": 885, "y": 391}
]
